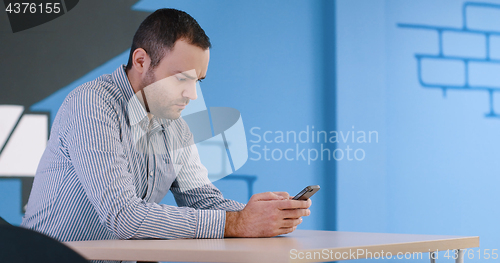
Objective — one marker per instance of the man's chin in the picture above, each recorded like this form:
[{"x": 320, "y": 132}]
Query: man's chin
[{"x": 170, "y": 116}]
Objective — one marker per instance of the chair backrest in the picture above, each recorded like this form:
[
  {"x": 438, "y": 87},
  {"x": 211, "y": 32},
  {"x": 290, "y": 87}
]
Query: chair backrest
[
  {"x": 3, "y": 222},
  {"x": 22, "y": 245}
]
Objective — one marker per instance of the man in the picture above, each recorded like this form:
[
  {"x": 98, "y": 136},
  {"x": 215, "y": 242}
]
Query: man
[{"x": 118, "y": 145}]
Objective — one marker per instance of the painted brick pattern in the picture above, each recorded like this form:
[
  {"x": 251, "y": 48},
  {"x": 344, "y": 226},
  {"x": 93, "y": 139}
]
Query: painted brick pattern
[
  {"x": 443, "y": 71},
  {"x": 460, "y": 44},
  {"x": 468, "y": 56}
]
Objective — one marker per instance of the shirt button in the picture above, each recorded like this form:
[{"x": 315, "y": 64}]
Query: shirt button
[{"x": 151, "y": 173}]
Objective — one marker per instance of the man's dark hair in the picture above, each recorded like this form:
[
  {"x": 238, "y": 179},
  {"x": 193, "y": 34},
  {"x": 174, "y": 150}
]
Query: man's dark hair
[{"x": 159, "y": 31}]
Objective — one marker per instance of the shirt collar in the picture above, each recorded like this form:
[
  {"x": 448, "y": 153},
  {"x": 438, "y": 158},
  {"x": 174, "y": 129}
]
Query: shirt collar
[
  {"x": 120, "y": 78},
  {"x": 136, "y": 112}
]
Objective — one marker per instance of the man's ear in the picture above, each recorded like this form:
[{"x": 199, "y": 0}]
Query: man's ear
[{"x": 141, "y": 61}]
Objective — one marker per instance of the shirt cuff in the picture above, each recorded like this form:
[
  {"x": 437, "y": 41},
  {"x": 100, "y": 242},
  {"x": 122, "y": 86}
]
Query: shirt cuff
[{"x": 210, "y": 224}]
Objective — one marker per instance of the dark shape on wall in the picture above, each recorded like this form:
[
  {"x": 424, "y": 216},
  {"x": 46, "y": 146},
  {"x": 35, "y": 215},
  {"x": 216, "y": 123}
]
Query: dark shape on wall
[
  {"x": 70, "y": 4},
  {"x": 24, "y": 16},
  {"x": 40, "y": 61}
]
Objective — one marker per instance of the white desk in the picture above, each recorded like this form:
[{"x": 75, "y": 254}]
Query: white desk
[{"x": 288, "y": 248}]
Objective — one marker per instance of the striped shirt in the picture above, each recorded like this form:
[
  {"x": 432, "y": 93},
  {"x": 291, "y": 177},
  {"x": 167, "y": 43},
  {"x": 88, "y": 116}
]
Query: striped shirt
[{"x": 107, "y": 166}]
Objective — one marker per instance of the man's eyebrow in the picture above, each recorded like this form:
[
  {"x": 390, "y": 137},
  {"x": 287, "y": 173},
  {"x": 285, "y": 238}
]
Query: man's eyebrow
[{"x": 189, "y": 76}]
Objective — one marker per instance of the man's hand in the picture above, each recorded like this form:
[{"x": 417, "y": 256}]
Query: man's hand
[{"x": 266, "y": 215}]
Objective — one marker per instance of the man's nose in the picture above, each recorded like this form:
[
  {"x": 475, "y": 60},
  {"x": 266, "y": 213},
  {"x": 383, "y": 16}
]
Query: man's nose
[{"x": 190, "y": 91}]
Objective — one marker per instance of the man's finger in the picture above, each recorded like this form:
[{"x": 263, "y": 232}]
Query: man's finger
[
  {"x": 284, "y": 194},
  {"x": 291, "y": 222},
  {"x": 294, "y": 204},
  {"x": 286, "y": 230},
  {"x": 295, "y": 213}
]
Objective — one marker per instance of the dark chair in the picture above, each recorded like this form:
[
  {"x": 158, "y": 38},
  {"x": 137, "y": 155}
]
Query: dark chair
[
  {"x": 3, "y": 222},
  {"x": 20, "y": 245}
]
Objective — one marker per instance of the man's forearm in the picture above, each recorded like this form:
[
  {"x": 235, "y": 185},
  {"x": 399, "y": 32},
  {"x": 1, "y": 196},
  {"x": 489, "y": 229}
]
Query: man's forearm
[{"x": 230, "y": 228}]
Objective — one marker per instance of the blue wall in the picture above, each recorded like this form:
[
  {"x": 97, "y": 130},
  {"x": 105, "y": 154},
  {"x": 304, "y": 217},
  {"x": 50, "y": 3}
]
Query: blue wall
[{"x": 435, "y": 168}]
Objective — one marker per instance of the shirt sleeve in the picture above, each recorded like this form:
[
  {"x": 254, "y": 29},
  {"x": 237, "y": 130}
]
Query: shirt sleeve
[
  {"x": 99, "y": 159},
  {"x": 192, "y": 188}
]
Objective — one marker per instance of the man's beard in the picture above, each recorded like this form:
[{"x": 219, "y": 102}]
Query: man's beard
[
  {"x": 149, "y": 79},
  {"x": 155, "y": 107}
]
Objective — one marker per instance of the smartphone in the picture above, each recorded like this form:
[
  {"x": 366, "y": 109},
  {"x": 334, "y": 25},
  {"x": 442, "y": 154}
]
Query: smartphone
[{"x": 306, "y": 193}]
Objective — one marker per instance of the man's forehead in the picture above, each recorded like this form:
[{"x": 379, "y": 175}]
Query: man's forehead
[{"x": 186, "y": 58}]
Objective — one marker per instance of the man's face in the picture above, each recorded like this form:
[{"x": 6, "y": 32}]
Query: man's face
[{"x": 172, "y": 84}]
